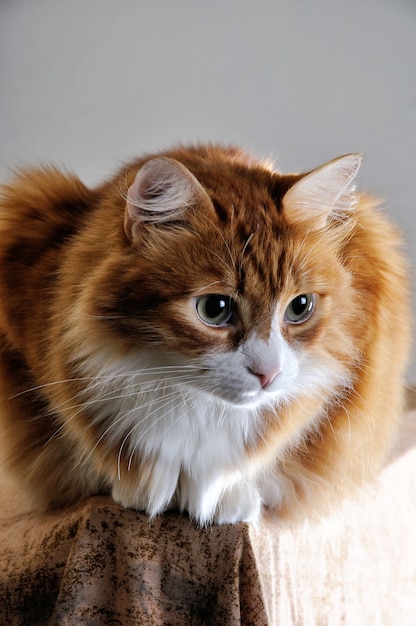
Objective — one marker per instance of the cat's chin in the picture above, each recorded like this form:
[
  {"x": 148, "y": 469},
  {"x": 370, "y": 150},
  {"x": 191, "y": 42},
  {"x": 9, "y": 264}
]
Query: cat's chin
[{"x": 251, "y": 400}]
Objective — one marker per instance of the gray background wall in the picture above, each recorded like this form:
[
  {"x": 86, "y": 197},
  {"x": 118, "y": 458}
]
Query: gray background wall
[{"x": 90, "y": 83}]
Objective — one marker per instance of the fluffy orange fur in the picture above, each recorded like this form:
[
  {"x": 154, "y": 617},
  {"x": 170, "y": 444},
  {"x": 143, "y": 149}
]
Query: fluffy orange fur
[{"x": 85, "y": 279}]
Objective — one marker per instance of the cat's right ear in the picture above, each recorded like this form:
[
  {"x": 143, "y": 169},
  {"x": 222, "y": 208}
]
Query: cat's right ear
[
  {"x": 326, "y": 193},
  {"x": 161, "y": 192}
]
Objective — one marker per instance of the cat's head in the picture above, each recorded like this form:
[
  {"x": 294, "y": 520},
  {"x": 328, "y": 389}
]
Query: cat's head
[{"x": 232, "y": 278}]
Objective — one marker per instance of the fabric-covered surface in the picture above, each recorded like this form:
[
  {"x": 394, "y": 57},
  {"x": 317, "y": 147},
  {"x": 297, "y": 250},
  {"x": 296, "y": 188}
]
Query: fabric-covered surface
[{"x": 98, "y": 564}]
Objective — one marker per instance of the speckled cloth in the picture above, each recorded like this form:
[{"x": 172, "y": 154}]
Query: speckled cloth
[{"x": 97, "y": 564}]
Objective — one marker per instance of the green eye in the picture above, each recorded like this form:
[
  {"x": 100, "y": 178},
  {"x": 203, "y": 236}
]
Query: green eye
[
  {"x": 214, "y": 310},
  {"x": 300, "y": 309}
]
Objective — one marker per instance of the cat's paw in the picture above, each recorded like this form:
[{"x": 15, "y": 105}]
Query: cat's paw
[
  {"x": 239, "y": 503},
  {"x": 128, "y": 499}
]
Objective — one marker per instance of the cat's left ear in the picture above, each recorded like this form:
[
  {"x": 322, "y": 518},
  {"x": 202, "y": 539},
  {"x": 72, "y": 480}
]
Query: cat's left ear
[
  {"x": 324, "y": 193},
  {"x": 162, "y": 191}
]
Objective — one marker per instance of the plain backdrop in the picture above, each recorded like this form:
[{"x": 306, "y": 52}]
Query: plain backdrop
[{"x": 88, "y": 84}]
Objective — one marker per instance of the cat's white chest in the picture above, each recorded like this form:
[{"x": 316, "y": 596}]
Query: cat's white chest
[
  {"x": 198, "y": 453},
  {"x": 201, "y": 464}
]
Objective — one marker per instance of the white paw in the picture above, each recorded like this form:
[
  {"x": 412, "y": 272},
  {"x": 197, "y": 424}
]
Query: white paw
[{"x": 239, "y": 503}]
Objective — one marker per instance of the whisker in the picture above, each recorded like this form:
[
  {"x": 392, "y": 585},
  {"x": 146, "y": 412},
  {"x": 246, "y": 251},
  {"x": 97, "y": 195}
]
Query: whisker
[
  {"x": 130, "y": 460},
  {"x": 169, "y": 397},
  {"x": 110, "y": 377},
  {"x": 242, "y": 259},
  {"x": 114, "y": 394},
  {"x": 51, "y": 384}
]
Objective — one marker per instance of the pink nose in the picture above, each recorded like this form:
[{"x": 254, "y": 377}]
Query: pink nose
[{"x": 268, "y": 378}]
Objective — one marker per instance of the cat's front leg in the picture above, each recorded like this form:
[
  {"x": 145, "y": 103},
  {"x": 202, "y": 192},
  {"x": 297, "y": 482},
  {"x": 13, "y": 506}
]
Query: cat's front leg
[
  {"x": 239, "y": 503},
  {"x": 129, "y": 498},
  {"x": 220, "y": 501},
  {"x": 153, "y": 493}
]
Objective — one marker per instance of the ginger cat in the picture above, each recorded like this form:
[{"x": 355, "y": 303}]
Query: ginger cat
[{"x": 201, "y": 332}]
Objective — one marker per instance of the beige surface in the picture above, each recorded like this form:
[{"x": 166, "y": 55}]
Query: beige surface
[
  {"x": 357, "y": 568},
  {"x": 98, "y": 564}
]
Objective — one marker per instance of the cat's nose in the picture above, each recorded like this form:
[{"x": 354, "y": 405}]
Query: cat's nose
[{"x": 267, "y": 378}]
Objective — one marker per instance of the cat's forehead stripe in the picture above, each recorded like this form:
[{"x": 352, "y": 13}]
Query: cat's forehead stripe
[
  {"x": 248, "y": 215},
  {"x": 221, "y": 212},
  {"x": 264, "y": 256}
]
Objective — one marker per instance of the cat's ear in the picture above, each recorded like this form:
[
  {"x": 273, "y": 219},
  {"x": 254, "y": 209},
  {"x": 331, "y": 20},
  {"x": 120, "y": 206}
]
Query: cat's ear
[
  {"x": 161, "y": 192},
  {"x": 324, "y": 193}
]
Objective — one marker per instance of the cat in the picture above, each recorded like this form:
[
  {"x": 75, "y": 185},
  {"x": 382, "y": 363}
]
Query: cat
[{"x": 200, "y": 332}]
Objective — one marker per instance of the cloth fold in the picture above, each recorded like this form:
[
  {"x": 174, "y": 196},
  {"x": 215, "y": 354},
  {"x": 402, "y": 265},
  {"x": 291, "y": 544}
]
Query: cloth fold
[{"x": 99, "y": 564}]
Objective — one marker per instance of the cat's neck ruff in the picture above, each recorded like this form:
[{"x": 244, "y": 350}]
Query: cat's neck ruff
[{"x": 198, "y": 442}]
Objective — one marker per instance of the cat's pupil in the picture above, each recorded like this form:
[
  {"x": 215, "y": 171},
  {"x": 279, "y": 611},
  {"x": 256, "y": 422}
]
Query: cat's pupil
[
  {"x": 215, "y": 306},
  {"x": 214, "y": 309},
  {"x": 299, "y": 305},
  {"x": 300, "y": 309}
]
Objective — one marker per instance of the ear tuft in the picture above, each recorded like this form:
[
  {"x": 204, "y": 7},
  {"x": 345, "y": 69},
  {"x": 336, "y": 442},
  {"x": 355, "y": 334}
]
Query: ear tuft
[
  {"x": 161, "y": 192},
  {"x": 325, "y": 193}
]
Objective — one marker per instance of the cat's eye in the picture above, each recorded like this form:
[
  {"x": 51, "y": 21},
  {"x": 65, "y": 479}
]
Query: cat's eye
[
  {"x": 300, "y": 309},
  {"x": 214, "y": 309}
]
